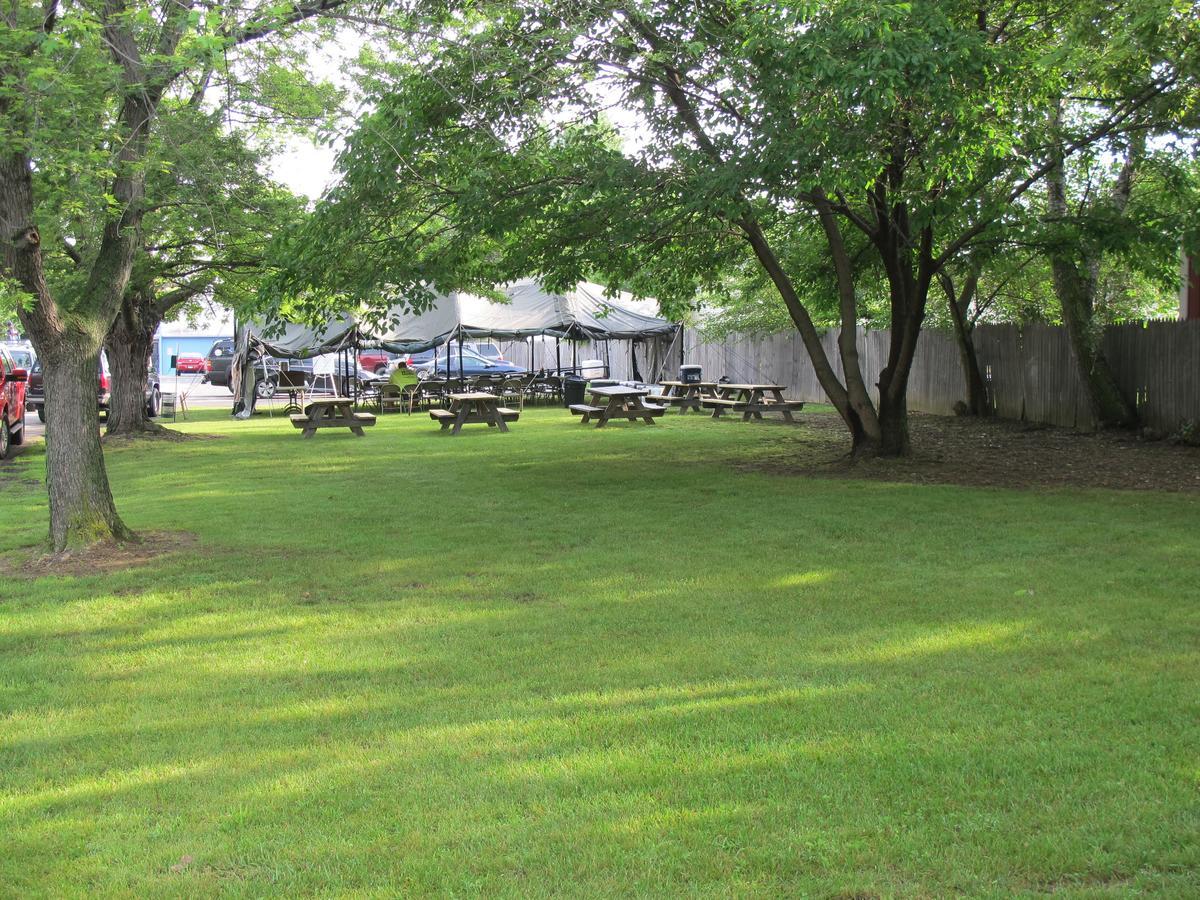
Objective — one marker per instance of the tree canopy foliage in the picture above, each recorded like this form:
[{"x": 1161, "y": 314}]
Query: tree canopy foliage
[
  {"x": 84, "y": 88},
  {"x": 666, "y": 147}
]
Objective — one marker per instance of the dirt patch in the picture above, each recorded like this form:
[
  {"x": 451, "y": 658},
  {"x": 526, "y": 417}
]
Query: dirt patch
[
  {"x": 13, "y": 474},
  {"x": 987, "y": 453},
  {"x": 165, "y": 435},
  {"x": 102, "y": 558}
]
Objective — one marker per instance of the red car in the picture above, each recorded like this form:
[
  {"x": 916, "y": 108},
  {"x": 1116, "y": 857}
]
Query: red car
[
  {"x": 375, "y": 360},
  {"x": 190, "y": 364},
  {"x": 12, "y": 403}
]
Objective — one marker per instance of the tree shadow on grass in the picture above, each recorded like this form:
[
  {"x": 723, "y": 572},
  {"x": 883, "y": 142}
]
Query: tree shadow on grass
[{"x": 421, "y": 766}]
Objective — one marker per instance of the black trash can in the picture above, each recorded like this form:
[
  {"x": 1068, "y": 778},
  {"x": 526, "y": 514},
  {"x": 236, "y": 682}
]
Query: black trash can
[
  {"x": 690, "y": 374},
  {"x": 573, "y": 388}
]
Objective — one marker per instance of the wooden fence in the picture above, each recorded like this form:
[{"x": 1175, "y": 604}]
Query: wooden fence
[{"x": 1029, "y": 370}]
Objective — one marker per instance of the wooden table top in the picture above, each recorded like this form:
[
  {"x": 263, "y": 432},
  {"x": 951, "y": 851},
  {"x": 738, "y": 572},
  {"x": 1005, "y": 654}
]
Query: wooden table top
[
  {"x": 688, "y": 383},
  {"x": 473, "y": 395},
  {"x": 329, "y": 401},
  {"x": 751, "y": 387},
  {"x": 618, "y": 390}
]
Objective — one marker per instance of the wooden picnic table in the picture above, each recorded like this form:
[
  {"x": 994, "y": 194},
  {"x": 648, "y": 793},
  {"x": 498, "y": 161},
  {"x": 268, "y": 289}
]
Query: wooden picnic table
[
  {"x": 751, "y": 400},
  {"x": 620, "y": 402},
  {"x": 685, "y": 394},
  {"x": 474, "y": 408},
  {"x": 333, "y": 412}
]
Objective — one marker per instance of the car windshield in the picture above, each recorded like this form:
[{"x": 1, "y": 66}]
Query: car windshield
[
  {"x": 466, "y": 355},
  {"x": 22, "y": 359}
]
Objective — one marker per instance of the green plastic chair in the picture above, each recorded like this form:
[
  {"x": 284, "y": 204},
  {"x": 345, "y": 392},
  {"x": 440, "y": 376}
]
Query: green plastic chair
[{"x": 406, "y": 380}]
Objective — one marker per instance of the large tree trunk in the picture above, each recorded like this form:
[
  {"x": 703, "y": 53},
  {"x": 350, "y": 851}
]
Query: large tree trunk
[
  {"x": 959, "y": 302},
  {"x": 128, "y": 346},
  {"x": 1075, "y": 275},
  {"x": 893, "y": 424},
  {"x": 863, "y": 428},
  {"x": 910, "y": 269},
  {"x": 81, "y": 505},
  {"x": 1076, "y": 294},
  {"x": 977, "y": 396},
  {"x": 862, "y": 409}
]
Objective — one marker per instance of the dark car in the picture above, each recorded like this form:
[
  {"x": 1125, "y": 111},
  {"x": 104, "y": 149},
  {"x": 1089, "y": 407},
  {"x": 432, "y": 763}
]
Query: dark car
[
  {"x": 422, "y": 359},
  {"x": 469, "y": 363},
  {"x": 36, "y": 395},
  {"x": 216, "y": 363},
  {"x": 13, "y": 383},
  {"x": 488, "y": 351},
  {"x": 266, "y": 372}
]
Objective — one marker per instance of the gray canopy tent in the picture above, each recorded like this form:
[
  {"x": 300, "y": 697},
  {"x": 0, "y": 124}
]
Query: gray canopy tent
[{"x": 581, "y": 314}]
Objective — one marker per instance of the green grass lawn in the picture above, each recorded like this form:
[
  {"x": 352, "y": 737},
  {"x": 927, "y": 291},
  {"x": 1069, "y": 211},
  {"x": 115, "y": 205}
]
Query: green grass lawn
[{"x": 569, "y": 661}]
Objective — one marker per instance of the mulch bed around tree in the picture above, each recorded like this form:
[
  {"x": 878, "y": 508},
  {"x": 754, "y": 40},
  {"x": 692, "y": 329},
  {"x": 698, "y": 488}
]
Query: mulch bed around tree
[
  {"x": 107, "y": 556},
  {"x": 168, "y": 435},
  {"x": 987, "y": 453}
]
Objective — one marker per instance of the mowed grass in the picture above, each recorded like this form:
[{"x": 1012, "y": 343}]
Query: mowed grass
[{"x": 569, "y": 661}]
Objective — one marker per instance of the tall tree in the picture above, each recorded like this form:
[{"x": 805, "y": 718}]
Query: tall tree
[
  {"x": 663, "y": 143},
  {"x": 1127, "y": 208},
  {"x": 81, "y": 86},
  {"x": 205, "y": 235}
]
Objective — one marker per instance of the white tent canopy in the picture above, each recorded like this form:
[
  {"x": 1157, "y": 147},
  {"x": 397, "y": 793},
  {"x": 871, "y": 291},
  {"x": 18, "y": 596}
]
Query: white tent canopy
[{"x": 583, "y": 313}]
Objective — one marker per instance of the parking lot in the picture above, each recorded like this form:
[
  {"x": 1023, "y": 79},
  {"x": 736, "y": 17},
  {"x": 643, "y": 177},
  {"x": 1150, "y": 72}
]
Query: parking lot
[{"x": 199, "y": 396}]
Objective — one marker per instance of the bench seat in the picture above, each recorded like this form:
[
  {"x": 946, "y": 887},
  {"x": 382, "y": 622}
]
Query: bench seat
[
  {"x": 584, "y": 409},
  {"x": 509, "y": 415},
  {"x": 438, "y": 414}
]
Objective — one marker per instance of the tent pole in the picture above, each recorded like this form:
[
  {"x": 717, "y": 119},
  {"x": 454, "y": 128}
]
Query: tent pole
[
  {"x": 575, "y": 356},
  {"x": 557, "y": 356},
  {"x": 460, "y": 361}
]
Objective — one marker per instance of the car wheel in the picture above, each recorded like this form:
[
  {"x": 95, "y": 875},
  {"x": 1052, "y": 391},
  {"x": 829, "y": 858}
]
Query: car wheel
[
  {"x": 154, "y": 407},
  {"x": 18, "y": 436},
  {"x": 5, "y": 439},
  {"x": 41, "y": 411},
  {"x": 265, "y": 388},
  {"x": 381, "y": 370}
]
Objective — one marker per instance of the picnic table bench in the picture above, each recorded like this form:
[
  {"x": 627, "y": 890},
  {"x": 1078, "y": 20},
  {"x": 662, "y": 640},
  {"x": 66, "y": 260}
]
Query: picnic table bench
[
  {"x": 335, "y": 412},
  {"x": 475, "y": 408},
  {"x": 751, "y": 400},
  {"x": 620, "y": 402},
  {"x": 685, "y": 394}
]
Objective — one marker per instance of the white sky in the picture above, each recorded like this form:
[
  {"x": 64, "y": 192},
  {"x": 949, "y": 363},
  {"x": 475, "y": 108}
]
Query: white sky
[
  {"x": 304, "y": 167},
  {"x": 308, "y": 169}
]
